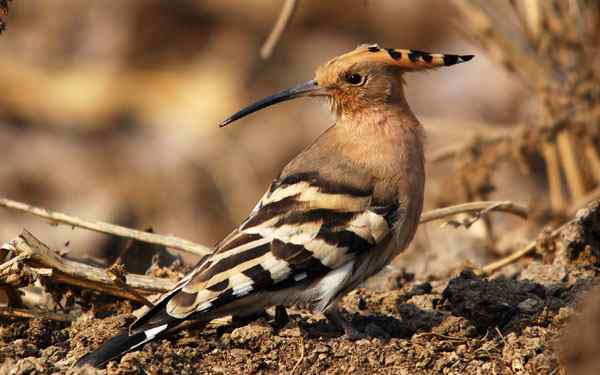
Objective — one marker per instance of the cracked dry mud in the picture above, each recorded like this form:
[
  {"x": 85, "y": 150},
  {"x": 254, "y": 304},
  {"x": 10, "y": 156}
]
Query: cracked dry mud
[{"x": 462, "y": 325}]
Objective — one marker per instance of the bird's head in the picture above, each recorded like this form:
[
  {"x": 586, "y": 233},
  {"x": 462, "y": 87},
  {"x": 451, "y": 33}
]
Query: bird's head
[{"x": 366, "y": 76}]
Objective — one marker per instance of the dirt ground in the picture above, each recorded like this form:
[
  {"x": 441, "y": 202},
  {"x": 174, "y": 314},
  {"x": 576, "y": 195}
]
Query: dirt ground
[{"x": 503, "y": 324}]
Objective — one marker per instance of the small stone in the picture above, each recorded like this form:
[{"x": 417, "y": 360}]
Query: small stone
[
  {"x": 322, "y": 356},
  {"x": 290, "y": 332},
  {"x": 28, "y": 365},
  {"x": 320, "y": 348},
  {"x": 470, "y": 331},
  {"x": 226, "y": 338},
  {"x": 530, "y": 305},
  {"x": 392, "y": 359},
  {"x": 517, "y": 365},
  {"x": 239, "y": 353},
  {"x": 249, "y": 333},
  {"x": 373, "y": 360},
  {"x": 424, "y": 288}
]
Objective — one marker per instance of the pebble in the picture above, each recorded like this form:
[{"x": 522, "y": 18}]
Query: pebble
[
  {"x": 239, "y": 353},
  {"x": 392, "y": 359},
  {"x": 530, "y": 305},
  {"x": 340, "y": 352},
  {"x": 248, "y": 333},
  {"x": 290, "y": 332}
]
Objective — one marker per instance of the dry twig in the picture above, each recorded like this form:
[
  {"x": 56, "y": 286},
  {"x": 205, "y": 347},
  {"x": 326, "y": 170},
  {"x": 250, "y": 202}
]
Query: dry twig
[
  {"x": 287, "y": 12},
  {"x": 98, "y": 226},
  {"x": 82, "y": 275},
  {"x": 550, "y": 155},
  {"x": 301, "y": 356},
  {"x": 35, "y": 314},
  {"x": 568, "y": 155},
  {"x": 477, "y": 208},
  {"x": 494, "y": 266}
]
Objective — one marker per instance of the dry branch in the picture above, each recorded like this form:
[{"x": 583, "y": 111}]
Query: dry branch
[
  {"x": 191, "y": 247},
  {"x": 115, "y": 281},
  {"x": 35, "y": 314},
  {"x": 550, "y": 155},
  {"x": 107, "y": 228},
  {"x": 494, "y": 266},
  {"x": 83, "y": 275},
  {"x": 570, "y": 164},
  {"x": 479, "y": 208},
  {"x": 118, "y": 275},
  {"x": 287, "y": 12}
]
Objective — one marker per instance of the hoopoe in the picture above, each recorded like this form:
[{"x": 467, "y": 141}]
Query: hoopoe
[{"x": 337, "y": 214}]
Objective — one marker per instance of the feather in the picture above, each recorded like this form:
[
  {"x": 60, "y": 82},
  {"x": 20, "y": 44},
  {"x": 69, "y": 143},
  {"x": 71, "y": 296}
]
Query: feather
[{"x": 339, "y": 212}]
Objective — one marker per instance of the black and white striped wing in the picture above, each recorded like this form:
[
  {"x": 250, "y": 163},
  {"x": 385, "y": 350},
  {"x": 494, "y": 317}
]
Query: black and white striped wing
[{"x": 302, "y": 228}]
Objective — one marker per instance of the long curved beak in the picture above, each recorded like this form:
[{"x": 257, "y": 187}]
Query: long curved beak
[{"x": 310, "y": 88}]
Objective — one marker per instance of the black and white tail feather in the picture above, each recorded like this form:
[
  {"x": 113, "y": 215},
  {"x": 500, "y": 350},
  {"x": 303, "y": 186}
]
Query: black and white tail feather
[
  {"x": 124, "y": 342},
  {"x": 299, "y": 244}
]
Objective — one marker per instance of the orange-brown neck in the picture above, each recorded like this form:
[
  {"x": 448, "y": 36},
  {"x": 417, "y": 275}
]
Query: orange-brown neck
[{"x": 381, "y": 94}]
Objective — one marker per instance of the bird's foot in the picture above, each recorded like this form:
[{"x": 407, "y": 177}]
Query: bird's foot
[{"x": 336, "y": 318}]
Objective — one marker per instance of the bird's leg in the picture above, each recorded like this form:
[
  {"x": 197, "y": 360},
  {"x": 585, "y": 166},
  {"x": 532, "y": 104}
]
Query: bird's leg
[
  {"x": 335, "y": 317},
  {"x": 281, "y": 317}
]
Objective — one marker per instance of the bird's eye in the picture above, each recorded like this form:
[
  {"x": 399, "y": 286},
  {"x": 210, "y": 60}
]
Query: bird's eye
[{"x": 354, "y": 78}]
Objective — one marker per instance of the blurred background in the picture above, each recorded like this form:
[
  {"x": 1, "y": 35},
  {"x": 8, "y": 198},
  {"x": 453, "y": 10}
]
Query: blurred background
[{"x": 108, "y": 111}]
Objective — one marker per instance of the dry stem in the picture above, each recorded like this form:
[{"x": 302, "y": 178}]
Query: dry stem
[
  {"x": 35, "y": 314},
  {"x": 557, "y": 202},
  {"x": 98, "y": 226},
  {"x": 301, "y": 356},
  {"x": 287, "y": 12},
  {"x": 594, "y": 161},
  {"x": 568, "y": 158},
  {"x": 83, "y": 275},
  {"x": 479, "y": 208},
  {"x": 494, "y": 266}
]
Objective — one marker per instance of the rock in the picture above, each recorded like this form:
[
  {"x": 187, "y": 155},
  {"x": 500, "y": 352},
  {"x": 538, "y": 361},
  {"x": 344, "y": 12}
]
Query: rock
[
  {"x": 545, "y": 274},
  {"x": 392, "y": 359},
  {"x": 251, "y": 332},
  {"x": 489, "y": 303},
  {"x": 28, "y": 365},
  {"x": 530, "y": 305}
]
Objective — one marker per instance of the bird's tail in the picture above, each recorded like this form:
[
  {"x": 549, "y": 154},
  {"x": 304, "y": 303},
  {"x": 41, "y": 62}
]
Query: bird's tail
[
  {"x": 127, "y": 341},
  {"x": 113, "y": 348}
]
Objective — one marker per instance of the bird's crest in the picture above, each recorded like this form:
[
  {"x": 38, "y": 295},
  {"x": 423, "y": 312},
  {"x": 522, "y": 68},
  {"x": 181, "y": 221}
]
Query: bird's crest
[{"x": 408, "y": 59}]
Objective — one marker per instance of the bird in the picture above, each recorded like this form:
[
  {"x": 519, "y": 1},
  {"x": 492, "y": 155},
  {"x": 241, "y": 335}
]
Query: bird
[{"x": 338, "y": 213}]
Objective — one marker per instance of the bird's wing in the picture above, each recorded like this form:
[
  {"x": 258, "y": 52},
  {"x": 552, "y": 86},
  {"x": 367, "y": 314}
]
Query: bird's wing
[
  {"x": 302, "y": 228},
  {"x": 305, "y": 228}
]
